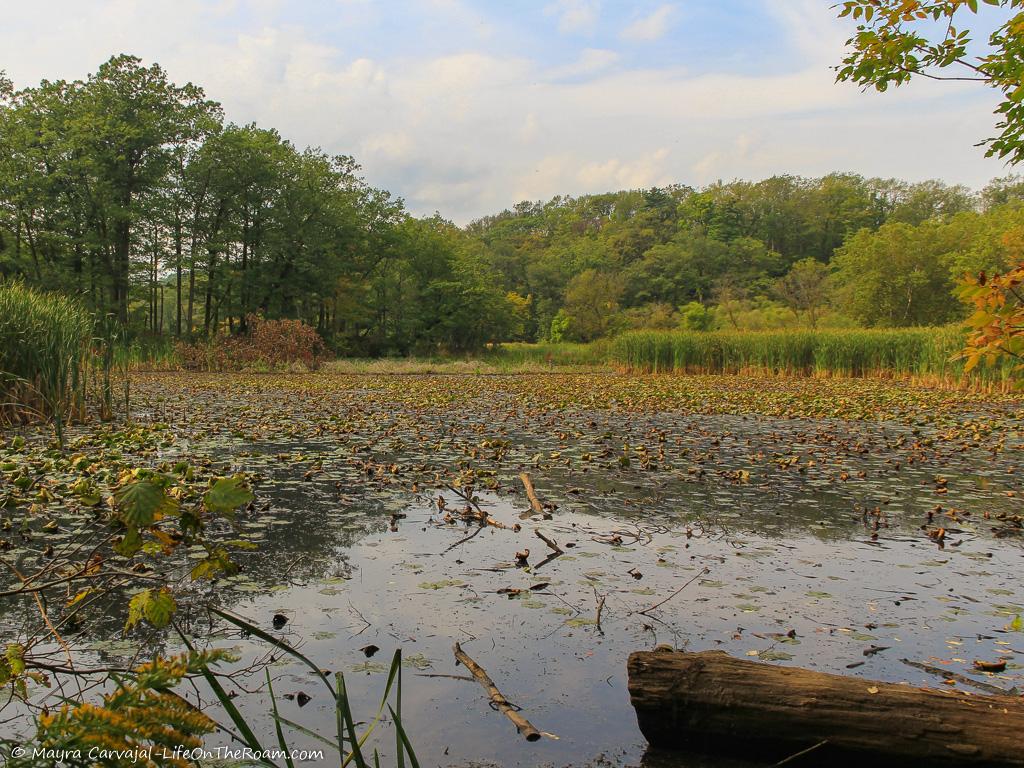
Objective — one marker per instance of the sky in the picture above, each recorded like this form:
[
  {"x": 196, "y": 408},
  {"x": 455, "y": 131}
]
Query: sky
[{"x": 468, "y": 107}]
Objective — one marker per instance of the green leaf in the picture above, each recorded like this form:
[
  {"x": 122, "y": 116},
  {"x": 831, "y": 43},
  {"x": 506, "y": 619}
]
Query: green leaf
[
  {"x": 772, "y": 655},
  {"x": 129, "y": 544},
  {"x": 15, "y": 656},
  {"x": 227, "y": 494},
  {"x": 136, "y": 608},
  {"x": 160, "y": 608},
  {"x": 217, "y": 563},
  {"x": 142, "y": 503},
  {"x": 155, "y": 607}
]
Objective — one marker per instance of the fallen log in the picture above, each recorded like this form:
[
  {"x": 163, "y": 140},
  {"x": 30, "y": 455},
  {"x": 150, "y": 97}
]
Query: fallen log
[
  {"x": 711, "y": 702},
  {"x": 498, "y": 700}
]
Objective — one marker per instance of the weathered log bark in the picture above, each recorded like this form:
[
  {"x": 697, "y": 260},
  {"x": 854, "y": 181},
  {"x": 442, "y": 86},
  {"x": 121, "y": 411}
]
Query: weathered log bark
[{"x": 711, "y": 702}]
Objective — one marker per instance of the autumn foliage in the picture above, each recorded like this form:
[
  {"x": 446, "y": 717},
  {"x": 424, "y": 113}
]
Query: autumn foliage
[
  {"x": 267, "y": 345},
  {"x": 997, "y": 325}
]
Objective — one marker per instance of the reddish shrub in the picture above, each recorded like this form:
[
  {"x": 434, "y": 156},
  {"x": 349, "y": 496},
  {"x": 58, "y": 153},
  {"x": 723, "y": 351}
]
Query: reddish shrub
[{"x": 269, "y": 345}]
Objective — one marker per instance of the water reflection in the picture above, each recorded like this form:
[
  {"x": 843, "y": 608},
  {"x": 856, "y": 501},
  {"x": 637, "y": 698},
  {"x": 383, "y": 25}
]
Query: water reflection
[{"x": 810, "y": 533}]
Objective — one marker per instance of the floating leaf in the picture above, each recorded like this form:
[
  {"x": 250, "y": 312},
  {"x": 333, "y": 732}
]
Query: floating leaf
[
  {"x": 773, "y": 655},
  {"x": 441, "y": 584}
]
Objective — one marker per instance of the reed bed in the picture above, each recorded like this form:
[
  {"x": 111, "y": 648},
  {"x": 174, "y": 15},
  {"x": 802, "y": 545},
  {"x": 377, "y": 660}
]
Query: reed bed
[
  {"x": 45, "y": 356},
  {"x": 928, "y": 354},
  {"x": 516, "y": 355}
]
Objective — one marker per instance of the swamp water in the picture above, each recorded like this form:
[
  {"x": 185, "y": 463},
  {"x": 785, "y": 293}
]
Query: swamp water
[{"x": 801, "y": 541}]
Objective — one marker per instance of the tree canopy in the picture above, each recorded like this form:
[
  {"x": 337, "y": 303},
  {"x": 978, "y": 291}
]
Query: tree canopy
[{"x": 138, "y": 195}]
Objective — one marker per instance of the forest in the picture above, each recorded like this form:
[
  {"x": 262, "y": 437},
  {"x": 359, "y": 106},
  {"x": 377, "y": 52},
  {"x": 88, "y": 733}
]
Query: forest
[{"x": 140, "y": 196}]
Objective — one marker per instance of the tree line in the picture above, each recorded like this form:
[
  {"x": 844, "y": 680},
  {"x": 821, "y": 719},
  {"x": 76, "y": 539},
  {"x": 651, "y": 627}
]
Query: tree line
[
  {"x": 841, "y": 249},
  {"x": 135, "y": 194}
]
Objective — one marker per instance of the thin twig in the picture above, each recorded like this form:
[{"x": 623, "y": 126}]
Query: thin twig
[
  {"x": 801, "y": 753},
  {"x": 600, "y": 608},
  {"x": 704, "y": 572},
  {"x": 535, "y": 504}
]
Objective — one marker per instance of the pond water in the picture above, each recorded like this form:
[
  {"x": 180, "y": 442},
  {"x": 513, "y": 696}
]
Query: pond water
[{"x": 799, "y": 541}]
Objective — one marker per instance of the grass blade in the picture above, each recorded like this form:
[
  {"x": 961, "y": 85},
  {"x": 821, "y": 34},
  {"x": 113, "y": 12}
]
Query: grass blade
[
  {"x": 400, "y": 729},
  {"x": 345, "y": 712},
  {"x": 277, "y": 722},
  {"x": 305, "y": 731},
  {"x": 229, "y": 706},
  {"x": 238, "y": 621},
  {"x": 399, "y": 751}
]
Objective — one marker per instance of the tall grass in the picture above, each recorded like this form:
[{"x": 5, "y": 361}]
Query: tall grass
[
  {"x": 146, "y": 352},
  {"x": 346, "y": 739},
  {"x": 549, "y": 354},
  {"x": 45, "y": 353},
  {"x": 923, "y": 353}
]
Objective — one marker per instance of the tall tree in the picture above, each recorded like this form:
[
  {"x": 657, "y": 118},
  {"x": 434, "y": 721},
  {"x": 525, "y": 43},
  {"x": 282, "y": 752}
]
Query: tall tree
[
  {"x": 127, "y": 122},
  {"x": 805, "y": 289}
]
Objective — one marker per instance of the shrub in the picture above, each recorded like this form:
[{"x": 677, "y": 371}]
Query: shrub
[{"x": 268, "y": 345}]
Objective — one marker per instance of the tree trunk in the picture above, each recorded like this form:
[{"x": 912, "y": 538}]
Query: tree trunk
[
  {"x": 191, "y": 293},
  {"x": 711, "y": 702},
  {"x": 153, "y": 268},
  {"x": 211, "y": 265},
  {"x": 122, "y": 257},
  {"x": 177, "y": 268},
  {"x": 243, "y": 292}
]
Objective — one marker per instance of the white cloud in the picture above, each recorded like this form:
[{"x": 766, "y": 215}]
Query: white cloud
[
  {"x": 812, "y": 29},
  {"x": 710, "y": 167},
  {"x": 590, "y": 61},
  {"x": 458, "y": 13},
  {"x": 388, "y": 146},
  {"x": 469, "y": 132},
  {"x": 574, "y": 15},
  {"x": 531, "y": 129},
  {"x": 648, "y": 170},
  {"x": 650, "y": 27}
]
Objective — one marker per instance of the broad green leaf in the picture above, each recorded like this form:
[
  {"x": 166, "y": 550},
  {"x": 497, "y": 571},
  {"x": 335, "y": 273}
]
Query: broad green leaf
[
  {"x": 130, "y": 543},
  {"x": 136, "y": 608},
  {"x": 142, "y": 503},
  {"x": 227, "y": 494},
  {"x": 160, "y": 608},
  {"x": 155, "y": 607}
]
